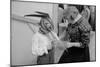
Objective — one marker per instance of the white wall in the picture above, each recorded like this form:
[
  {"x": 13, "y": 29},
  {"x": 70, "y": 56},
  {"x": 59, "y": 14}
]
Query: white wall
[
  {"x": 21, "y": 35},
  {"x": 21, "y": 44}
]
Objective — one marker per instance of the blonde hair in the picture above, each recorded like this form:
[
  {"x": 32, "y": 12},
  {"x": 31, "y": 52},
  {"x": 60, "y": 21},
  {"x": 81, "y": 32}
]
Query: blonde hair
[{"x": 70, "y": 11}]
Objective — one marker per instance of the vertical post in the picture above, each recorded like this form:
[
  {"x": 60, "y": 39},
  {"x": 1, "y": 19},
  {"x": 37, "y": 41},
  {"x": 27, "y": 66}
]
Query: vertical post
[
  {"x": 55, "y": 21},
  {"x": 55, "y": 17}
]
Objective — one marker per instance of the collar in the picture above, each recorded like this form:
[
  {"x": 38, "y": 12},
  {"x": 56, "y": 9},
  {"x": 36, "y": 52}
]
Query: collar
[{"x": 77, "y": 18}]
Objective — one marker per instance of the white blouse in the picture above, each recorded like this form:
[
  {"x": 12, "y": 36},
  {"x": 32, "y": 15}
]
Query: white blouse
[{"x": 42, "y": 43}]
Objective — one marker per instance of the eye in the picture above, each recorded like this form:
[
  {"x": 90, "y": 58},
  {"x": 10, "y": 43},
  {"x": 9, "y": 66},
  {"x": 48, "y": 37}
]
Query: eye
[{"x": 46, "y": 23}]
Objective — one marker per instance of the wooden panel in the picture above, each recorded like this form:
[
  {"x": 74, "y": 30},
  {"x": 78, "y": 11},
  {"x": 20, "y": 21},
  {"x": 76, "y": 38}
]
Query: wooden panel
[{"x": 57, "y": 52}]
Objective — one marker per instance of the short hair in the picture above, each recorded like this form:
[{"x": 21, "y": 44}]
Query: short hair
[{"x": 69, "y": 11}]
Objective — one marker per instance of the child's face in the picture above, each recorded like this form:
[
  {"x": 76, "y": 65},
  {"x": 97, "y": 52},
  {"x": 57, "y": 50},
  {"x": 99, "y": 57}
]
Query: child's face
[
  {"x": 69, "y": 20},
  {"x": 47, "y": 24},
  {"x": 46, "y": 27},
  {"x": 71, "y": 17}
]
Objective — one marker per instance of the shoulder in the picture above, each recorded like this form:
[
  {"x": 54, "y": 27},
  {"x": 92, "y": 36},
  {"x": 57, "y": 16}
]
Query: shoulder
[{"x": 84, "y": 25}]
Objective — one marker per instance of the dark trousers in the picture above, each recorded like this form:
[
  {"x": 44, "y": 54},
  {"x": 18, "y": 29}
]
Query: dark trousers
[{"x": 75, "y": 54}]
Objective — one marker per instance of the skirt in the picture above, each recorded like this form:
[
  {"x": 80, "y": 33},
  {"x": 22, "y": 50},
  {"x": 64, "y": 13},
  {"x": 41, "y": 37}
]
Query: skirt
[{"x": 75, "y": 54}]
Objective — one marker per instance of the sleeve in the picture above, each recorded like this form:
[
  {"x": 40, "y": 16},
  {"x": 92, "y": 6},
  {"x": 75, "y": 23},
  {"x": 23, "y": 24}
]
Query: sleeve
[
  {"x": 85, "y": 29},
  {"x": 86, "y": 13}
]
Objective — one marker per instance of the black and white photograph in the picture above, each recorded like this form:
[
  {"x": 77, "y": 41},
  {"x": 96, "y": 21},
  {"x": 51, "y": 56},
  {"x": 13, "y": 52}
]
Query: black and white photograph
[{"x": 45, "y": 33}]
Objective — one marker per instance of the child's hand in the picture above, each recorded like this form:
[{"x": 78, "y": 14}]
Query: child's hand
[
  {"x": 71, "y": 44},
  {"x": 59, "y": 44}
]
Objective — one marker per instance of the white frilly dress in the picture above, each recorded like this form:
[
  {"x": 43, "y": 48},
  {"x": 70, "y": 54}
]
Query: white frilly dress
[{"x": 42, "y": 43}]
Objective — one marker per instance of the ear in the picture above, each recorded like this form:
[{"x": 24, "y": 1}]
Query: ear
[
  {"x": 42, "y": 13},
  {"x": 34, "y": 15}
]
